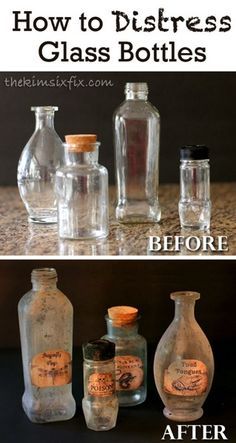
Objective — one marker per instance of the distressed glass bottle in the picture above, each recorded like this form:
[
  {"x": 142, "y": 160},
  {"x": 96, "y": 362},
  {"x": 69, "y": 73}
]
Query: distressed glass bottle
[
  {"x": 194, "y": 203},
  {"x": 131, "y": 354},
  {"x": 37, "y": 166},
  {"x": 82, "y": 190},
  {"x": 136, "y": 140},
  {"x": 184, "y": 364},
  {"x": 46, "y": 324},
  {"x": 100, "y": 402}
]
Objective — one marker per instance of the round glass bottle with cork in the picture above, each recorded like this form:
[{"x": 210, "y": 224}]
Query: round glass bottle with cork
[
  {"x": 131, "y": 354},
  {"x": 100, "y": 403},
  {"x": 82, "y": 190}
]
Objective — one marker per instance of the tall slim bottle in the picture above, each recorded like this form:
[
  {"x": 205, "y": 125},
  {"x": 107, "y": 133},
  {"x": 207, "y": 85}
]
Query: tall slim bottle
[
  {"x": 46, "y": 324},
  {"x": 137, "y": 143}
]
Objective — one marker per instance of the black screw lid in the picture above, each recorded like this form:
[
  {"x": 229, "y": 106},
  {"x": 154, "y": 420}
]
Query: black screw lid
[
  {"x": 99, "y": 350},
  {"x": 194, "y": 152}
]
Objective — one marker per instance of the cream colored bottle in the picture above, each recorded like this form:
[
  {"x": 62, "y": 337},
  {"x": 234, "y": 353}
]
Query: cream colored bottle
[{"x": 183, "y": 364}]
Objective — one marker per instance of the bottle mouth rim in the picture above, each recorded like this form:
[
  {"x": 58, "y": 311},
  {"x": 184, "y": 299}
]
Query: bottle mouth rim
[
  {"x": 43, "y": 273},
  {"x": 136, "y": 87},
  {"x": 122, "y": 323},
  {"x": 42, "y": 109},
  {"x": 185, "y": 295}
]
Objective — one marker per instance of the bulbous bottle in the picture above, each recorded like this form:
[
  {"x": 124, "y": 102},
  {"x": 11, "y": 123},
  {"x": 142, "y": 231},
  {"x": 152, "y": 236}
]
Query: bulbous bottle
[
  {"x": 184, "y": 363},
  {"x": 46, "y": 325},
  {"x": 137, "y": 143},
  {"x": 37, "y": 166}
]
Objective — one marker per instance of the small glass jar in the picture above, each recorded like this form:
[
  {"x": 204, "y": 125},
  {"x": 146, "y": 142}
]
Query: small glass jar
[
  {"x": 100, "y": 403},
  {"x": 82, "y": 191},
  {"x": 131, "y": 355},
  {"x": 194, "y": 203}
]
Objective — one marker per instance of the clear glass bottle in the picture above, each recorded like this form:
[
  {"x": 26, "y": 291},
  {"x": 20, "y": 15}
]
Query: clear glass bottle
[
  {"x": 131, "y": 355},
  {"x": 194, "y": 203},
  {"x": 82, "y": 190},
  {"x": 46, "y": 326},
  {"x": 137, "y": 142},
  {"x": 184, "y": 363},
  {"x": 100, "y": 403},
  {"x": 40, "y": 158}
]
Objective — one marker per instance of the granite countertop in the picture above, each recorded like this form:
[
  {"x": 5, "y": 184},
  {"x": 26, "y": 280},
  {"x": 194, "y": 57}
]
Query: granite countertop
[{"x": 18, "y": 237}]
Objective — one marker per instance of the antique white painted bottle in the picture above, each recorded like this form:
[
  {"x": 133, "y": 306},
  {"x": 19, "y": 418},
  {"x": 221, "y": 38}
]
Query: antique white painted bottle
[
  {"x": 46, "y": 324},
  {"x": 137, "y": 144},
  {"x": 131, "y": 354},
  {"x": 184, "y": 363}
]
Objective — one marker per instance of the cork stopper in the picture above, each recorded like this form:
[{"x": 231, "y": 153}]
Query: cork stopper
[
  {"x": 81, "y": 142},
  {"x": 122, "y": 315}
]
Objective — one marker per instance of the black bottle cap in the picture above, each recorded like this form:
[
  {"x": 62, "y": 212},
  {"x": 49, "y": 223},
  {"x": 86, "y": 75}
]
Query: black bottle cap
[
  {"x": 99, "y": 350},
  {"x": 194, "y": 152}
]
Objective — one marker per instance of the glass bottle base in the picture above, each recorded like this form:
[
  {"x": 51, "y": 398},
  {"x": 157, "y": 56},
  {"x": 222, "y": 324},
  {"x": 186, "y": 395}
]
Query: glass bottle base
[
  {"x": 46, "y": 415},
  {"x": 84, "y": 235},
  {"x": 43, "y": 217},
  {"x": 129, "y": 398},
  {"x": 182, "y": 415},
  {"x": 133, "y": 214},
  {"x": 100, "y": 415}
]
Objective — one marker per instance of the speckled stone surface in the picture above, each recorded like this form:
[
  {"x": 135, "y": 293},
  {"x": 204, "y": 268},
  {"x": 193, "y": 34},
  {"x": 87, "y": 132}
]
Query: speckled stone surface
[{"x": 18, "y": 237}]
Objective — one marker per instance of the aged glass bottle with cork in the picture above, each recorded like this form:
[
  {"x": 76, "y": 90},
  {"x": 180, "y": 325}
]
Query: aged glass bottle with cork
[
  {"x": 46, "y": 328},
  {"x": 42, "y": 155},
  {"x": 137, "y": 143},
  {"x": 184, "y": 363},
  {"x": 131, "y": 354},
  {"x": 194, "y": 203},
  {"x": 82, "y": 190},
  {"x": 100, "y": 402}
]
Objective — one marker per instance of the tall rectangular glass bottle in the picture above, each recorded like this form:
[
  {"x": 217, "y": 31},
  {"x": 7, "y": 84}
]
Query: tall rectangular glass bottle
[
  {"x": 137, "y": 143},
  {"x": 46, "y": 325}
]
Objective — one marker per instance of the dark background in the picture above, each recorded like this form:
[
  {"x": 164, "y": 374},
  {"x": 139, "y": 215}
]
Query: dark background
[
  {"x": 196, "y": 108},
  {"x": 93, "y": 286}
]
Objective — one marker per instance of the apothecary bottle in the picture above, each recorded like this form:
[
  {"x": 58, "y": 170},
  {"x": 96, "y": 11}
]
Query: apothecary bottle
[
  {"x": 194, "y": 203},
  {"x": 137, "y": 143},
  {"x": 184, "y": 363},
  {"x": 40, "y": 158},
  {"x": 100, "y": 403},
  {"x": 131, "y": 354},
  {"x": 82, "y": 190},
  {"x": 46, "y": 324}
]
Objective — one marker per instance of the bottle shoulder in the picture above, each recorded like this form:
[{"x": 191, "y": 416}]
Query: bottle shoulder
[
  {"x": 136, "y": 109},
  {"x": 81, "y": 170}
]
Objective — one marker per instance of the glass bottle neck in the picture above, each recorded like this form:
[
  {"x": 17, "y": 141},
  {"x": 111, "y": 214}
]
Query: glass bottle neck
[
  {"x": 136, "y": 95},
  {"x": 184, "y": 310},
  {"x": 81, "y": 158},
  {"x": 44, "y": 279},
  {"x": 123, "y": 331},
  {"x": 44, "y": 119}
]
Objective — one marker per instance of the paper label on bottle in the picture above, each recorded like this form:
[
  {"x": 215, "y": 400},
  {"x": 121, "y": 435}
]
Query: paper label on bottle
[
  {"x": 51, "y": 368},
  {"x": 101, "y": 384},
  {"x": 186, "y": 378},
  {"x": 129, "y": 372}
]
